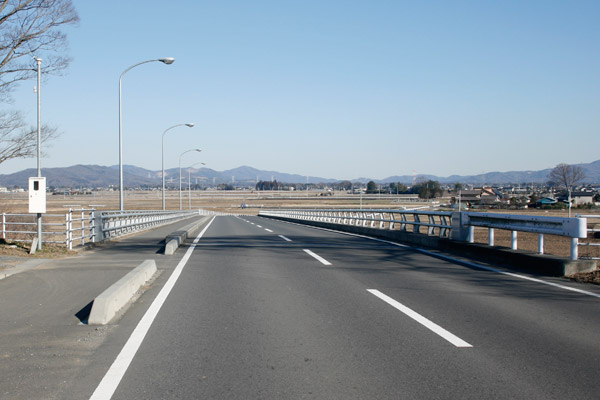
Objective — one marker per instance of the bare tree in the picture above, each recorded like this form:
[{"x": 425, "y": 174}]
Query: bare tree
[
  {"x": 567, "y": 176},
  {"x": 16, "y": 141},
  {"x": 28, "y": 29}
]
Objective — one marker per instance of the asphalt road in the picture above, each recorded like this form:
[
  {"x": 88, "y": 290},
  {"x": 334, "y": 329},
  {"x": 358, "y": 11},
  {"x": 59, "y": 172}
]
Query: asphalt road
[{"x": 269, "y": 310}]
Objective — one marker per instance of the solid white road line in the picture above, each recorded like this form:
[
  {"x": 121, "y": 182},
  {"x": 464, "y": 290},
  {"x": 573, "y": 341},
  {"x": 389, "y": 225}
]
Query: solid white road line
[
  {"x": 113, "y": 377},
  {"x": 284, "y": 238},
  {"x": 318, "y": 257},
  {"x": 455, "y": 340}
]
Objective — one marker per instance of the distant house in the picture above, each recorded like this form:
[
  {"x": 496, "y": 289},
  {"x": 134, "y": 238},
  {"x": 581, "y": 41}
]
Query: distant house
[
  {"x": 484, "y": 196},
  {"x": 546, "y": 201},
  {"x": 578, "y": 198}
]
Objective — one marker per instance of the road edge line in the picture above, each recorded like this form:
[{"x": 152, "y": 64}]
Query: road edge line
[{"x": 107, "y": 387}]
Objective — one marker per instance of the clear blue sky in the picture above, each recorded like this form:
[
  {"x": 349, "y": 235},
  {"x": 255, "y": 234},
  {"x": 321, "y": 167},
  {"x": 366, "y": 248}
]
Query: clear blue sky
[{"x": 336, "y": 89}]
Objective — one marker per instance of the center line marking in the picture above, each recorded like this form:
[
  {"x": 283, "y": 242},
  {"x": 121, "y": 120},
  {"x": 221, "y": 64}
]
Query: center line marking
[
  {"x": 268, "y": 230},
  {"x": 455, "y": 340},
  {"x": 284, "y": 238},
  {"x": 318, "y": 257},
  {"x": 258, "y": 226}
]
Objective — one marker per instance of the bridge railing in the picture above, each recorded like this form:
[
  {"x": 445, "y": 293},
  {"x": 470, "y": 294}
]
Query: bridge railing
[
  {"x": 458, "y": 226},
  {"x": 430, "y": 222},
  {"x": 78, "y": 226},
  {"x": 118, "y": 223}
]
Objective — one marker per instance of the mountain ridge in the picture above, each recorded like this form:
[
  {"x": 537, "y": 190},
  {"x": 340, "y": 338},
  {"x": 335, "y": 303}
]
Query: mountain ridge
[{"x": 81, "y": 175}]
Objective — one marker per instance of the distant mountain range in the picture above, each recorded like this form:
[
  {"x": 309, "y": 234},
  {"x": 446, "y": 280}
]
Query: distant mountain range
[{"x": 92, "y": 176}]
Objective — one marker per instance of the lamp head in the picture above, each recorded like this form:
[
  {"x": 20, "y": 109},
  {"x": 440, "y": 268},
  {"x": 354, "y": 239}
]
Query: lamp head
[
  {"x": 191, "y": 125},
  {"x": 167, "y": 60}
]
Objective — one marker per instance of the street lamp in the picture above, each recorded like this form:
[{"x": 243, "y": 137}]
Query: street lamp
[
  {"x": 167, "y": 60},
  {"x": 190, "y": 185},
  {"x": 190, "y": 125},
  {"x": 187, "y": 151}
]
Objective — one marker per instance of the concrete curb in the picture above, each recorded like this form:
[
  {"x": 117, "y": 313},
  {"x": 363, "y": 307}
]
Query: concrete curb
[
  {"x": 174, "y": 240},
  {"x": 109, "y": 302}
]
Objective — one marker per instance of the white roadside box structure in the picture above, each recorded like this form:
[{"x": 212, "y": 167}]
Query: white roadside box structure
[{"x": 37, "y": 195}]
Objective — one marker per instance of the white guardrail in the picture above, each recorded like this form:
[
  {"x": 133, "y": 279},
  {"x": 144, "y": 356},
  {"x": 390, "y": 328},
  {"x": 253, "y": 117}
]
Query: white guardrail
[
  {"x": 85, "y": 225},
  {"x": 593, "y": 230},
  {"x": 452, "y": 225}
]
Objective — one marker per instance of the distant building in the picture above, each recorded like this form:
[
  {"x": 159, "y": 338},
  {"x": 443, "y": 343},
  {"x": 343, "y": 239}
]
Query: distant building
[
  {"x": 546, "y": 201},
  {"x": 483, "y": 196},
  {"x": 580, "y": 198}
]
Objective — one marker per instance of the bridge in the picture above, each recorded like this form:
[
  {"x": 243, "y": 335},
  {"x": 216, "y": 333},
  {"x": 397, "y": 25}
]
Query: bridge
[{"x": 267, "y": 307}]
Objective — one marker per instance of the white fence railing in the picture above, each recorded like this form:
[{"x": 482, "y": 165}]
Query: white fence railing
[
  {"x": 452, "y": 225},
  {"x": 78, "y": 226}
]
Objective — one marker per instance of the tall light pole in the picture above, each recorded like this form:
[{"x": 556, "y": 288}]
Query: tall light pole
[
  {"x": 190, "y": 125},
  {"x": 167, "y": 60},
  {"x": 39, "y": 141},
  {"x": 187, "y": 151},
  {"x": 190, "y": 185}
]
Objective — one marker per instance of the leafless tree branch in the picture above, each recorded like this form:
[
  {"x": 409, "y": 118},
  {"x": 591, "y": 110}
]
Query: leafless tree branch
[
  {"x": 32, "y": 28},
  {"x": 29, "y": 28},
  {"x": 17, "y": 141},
  {"x": 566, "y": 175}
]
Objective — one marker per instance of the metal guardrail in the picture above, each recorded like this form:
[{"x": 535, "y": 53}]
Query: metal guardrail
[
  {"x": 593, "y": 230},
  {"x": 452, "y": 225},
  {"x": 574, "y": 228}
]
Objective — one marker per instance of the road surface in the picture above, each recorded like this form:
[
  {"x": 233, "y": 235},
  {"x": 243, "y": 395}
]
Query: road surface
[{"x": 264, "y": 309}]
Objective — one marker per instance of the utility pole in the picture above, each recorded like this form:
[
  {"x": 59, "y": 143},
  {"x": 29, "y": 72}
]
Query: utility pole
[{"x": 39, "y": 141}]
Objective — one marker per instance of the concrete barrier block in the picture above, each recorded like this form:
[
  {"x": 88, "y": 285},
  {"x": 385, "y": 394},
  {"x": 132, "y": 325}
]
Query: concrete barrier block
[
  {"x": 572, "y": 268},
  {"x": 171, "y": 246},
  {"x": 175, "y": 239},
  {"x": 113, "y": 299}
]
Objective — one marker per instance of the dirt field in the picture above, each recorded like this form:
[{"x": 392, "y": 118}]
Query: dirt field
[{"x": 230, "y": 202}]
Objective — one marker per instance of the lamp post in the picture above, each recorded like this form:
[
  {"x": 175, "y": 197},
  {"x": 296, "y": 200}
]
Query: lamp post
[
  {"x": 187, "y": 151},
  {"x": 190, "y": 185},
  {"x": 167, "y": 60},
  {"x": 39, "y": 141},
  {"x": 190, "y": 125}
]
